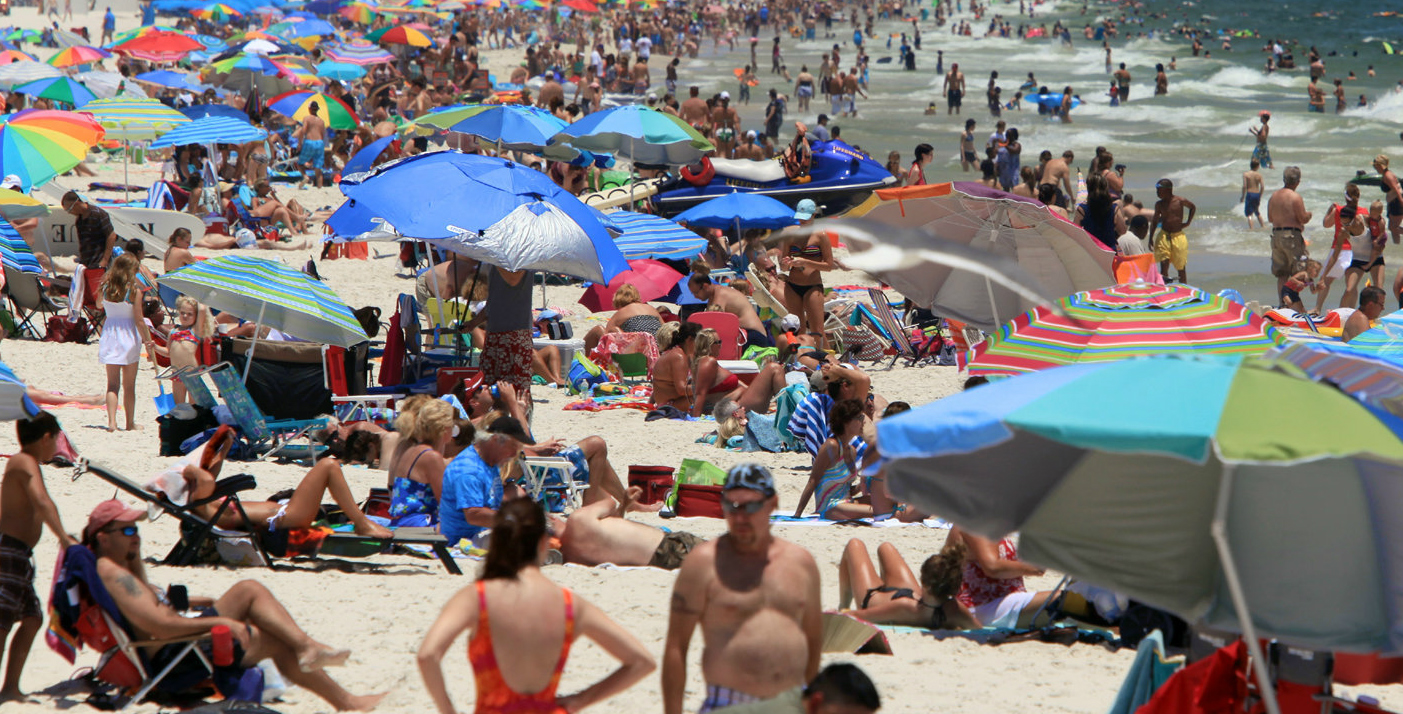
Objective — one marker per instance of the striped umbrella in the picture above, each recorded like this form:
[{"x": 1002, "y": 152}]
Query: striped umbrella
[
  {"x": 401, "y": 35},
  {"x": 269, "y": 293},
  {"x": 110, "y": 84},
  {"x": 16, "y": 73},
  {"x": 72, "y": 56},
  {"x": 15, "y": 253},
  {"x": 357, "y": 52},
  {"x": 14, "y": 397},
  {"x": 357, "y": 12},
  {"x": 37, "y": 145},
  {"x": 216, "y": 11},
  {"x": 648, "y": 236},
  {"x": 126, "y": 118},
  {"x": 1385, "y": 340},
  {"x": 58, "y": 89},
  {"x": 1120, "y": 322},
  {"x": 211, "y": 130},
  {"x": 1375, "y": 380},
  {"x": 297, "y": 106}
]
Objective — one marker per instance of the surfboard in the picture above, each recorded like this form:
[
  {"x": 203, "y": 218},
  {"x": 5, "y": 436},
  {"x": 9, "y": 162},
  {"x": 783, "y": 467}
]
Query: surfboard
[
  {"x": 151, "y": 225},
  {"x": 1388, "y": 49}
]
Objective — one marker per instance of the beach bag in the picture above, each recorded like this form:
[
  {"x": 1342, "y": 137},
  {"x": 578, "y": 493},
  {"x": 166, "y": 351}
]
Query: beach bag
[
  {"x": 59, "y": 329},
  {"x": 697, "y": 501},
  {"x": 695, "y": 472},
  {"x": 584, "y": 374},
  {"x": 655, "y": 482}
]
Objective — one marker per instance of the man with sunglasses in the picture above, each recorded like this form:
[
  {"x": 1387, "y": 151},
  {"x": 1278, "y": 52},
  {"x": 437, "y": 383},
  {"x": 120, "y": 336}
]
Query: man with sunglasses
[
  {"x": 260, "y": 626},
  {"x": 96, "y": 237},
  {"x": 756, "y": 597}
]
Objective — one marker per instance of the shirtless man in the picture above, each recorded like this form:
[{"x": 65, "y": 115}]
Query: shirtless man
[
  {"x": 694, "y": 110},
  {"x": 550, "y": 91},
  {"x": 312, "y": 133},
  {"x": 735, "y": 302},
  {"x": 748, "y": 149},
  {"x": 954, "y": 88},
  {"x": 1122, "y": 77},
  {"x": 1340, "y": 97},
  {"x": 1371, "y": 305},
  {"x": 1058, "y": 172},
  {"x": 641, "y": 78},
  {"x": 1173, "y": 246},
  {"x": 598, "y": 533},
  {"x": 1317, "y": 97},
  {"x": 261, "y": 627},
  {"x": 724, "y": 118},
  {"x": 1288, "y": 216},
  {"x": 1251, "y": 197},
  {"x": 851, "y": 89},
  {"x": 756, "y": 598},
  {"x": 1393, "y": 195}
]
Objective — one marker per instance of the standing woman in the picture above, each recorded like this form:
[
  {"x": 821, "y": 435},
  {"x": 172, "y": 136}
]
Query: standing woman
[
  {"x": 123, "y": 334},
  {"x": 916, "y": 175},
  {"x": 521, "y": 626},
  {"x": 806, "y": 258}
]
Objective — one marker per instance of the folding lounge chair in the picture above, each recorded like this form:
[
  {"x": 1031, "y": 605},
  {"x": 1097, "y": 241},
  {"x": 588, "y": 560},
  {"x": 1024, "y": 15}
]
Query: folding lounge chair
[
  {"x": 27, "y": 296},
  {"x": 548, "y": 481},
  {"x": 269, "y": 437},
  {"x": 901, "y": 339}
]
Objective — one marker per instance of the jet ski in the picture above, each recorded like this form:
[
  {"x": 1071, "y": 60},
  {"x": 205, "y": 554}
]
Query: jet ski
[{"x": 839, "y": 178}]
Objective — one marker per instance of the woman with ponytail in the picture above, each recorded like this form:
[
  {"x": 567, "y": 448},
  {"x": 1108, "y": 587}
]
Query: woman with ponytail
[{"x": 518, "y": 668}]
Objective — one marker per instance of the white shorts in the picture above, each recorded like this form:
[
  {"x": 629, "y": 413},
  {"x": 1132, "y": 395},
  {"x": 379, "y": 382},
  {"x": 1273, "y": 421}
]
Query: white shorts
[
  {"x": 1004, "y": 611},
  {"x": 1337, "y": 270},
  {"x": 835, "y": 102}
]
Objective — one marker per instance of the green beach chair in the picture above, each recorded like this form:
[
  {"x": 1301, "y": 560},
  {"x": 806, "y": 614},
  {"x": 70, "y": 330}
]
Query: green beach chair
[{"x": 267, "y": 437}]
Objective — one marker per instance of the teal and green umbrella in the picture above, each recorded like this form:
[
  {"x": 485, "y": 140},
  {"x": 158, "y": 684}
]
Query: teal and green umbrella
[
  {"x": 645, "y": 135},
  {"x": 58, "y": 89},
  {"x": 340, "y": 71}
]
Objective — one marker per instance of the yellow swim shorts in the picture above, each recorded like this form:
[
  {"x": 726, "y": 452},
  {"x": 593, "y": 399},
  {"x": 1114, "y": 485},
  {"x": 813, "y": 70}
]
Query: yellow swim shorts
[{"x": 1173, "y": 247}]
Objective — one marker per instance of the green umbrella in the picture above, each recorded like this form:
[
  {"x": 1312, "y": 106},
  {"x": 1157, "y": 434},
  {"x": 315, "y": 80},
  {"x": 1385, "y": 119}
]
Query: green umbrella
[
  {"x": 645, "y": 135},
  {"x": 58, "y": 89}
]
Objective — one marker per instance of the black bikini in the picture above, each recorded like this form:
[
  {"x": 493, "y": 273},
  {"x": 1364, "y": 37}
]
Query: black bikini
[
  {"x": 812, "y": 252},
  {"x": 937, "y": 618}
]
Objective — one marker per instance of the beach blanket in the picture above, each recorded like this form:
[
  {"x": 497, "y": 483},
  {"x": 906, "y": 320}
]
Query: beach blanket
[
  {"x": 1148, "y": 672},
  {"x": 1062, "y": 634},
  {"x": 599, "y": 404},
  {"x": 883, "y": 521}
]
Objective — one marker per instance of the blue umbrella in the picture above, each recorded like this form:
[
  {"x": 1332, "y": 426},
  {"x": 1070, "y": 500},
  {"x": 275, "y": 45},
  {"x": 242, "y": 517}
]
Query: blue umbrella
[
  {"x": 740, "y": 211},
  {"x": 211, "y": 130},
  {"x": 528, "y": 221},
  {"x": 14, "y": 397},
  {"x": 167, "y": 78},
  {"x": 323, "y": 7},
  {"x": 15, "y": 252},
  {"x": 58, "y": 89},
  {"x": 648, "y": 236},
  {"x": 200, "y": 111},
  {"x": 364, "y": 159},
  {"x": 514, "y": 127},
  {"x": 340, "y": 71},
  {"x": 309, "y": 28}
]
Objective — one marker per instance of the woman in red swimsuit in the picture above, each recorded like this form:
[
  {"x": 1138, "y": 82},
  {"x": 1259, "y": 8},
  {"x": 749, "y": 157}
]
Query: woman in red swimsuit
[
  {"x": 518, "y": 651},
  {"x": 721, "y": 384}
]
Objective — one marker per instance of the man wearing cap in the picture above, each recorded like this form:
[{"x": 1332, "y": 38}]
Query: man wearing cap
[
  {"x": 259, "y": 625},
  {"x": 472, "y": 483},
  {"x": 756, "y": 598}
]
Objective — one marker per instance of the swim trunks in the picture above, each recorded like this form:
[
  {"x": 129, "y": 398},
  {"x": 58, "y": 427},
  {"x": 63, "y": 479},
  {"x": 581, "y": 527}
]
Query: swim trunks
[
  {"x": 674, "y": 547},
  {"x": 312, "y": 152},
  {"x": 1263, "y": 155},
  {"x": 953, "y": 97},
  {"x": 1315, "y": 108},
  {"x": 1288, "y": 296},
  {"x": 1253, "y": 205},
  {"x": 1288, "y": 252},
  {"x": 805, "y": 91},
  {"x": 1173, "y": 247},
  {"x": 718, "y": 697},
  {"x": 756, "y": 338},
  {"x": 18, "y": 600}
]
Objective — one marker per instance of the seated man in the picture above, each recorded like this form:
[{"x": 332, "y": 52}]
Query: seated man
[
  {"x": 598, "y": 533},
  {"x": 472, "y": 482},
  {"x": 589, "y": 463},
  {"x": 733, "y": 301},
  {"x": 1371, "y": 305},
  {"x": 260, "y": 626},
  {"x": 830, "y": 385}
]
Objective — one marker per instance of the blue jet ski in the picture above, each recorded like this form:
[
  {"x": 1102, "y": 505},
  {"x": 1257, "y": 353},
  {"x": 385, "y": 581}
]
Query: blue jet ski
[{"x": 839, "y": 178}]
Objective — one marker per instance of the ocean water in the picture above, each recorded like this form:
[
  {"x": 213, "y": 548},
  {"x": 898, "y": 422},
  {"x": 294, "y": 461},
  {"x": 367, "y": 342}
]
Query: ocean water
[{"x": 1196, "y": 135}]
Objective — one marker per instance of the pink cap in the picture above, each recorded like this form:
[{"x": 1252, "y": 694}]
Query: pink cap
[{"x": 110, "y": 511}]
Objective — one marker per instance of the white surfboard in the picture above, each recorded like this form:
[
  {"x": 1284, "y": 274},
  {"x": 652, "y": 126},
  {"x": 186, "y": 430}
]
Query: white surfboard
[{"x": 151, "y": 225}]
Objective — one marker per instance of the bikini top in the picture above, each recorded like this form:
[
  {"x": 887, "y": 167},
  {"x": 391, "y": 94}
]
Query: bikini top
[
  {"x": 493, "y": 694},
  {"x": 811, "y": 252}
]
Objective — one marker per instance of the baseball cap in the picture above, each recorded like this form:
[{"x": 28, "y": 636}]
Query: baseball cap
[
  {"x": 225, "y": 186},
  {"x": 110, "y": 511},
  {"x": 11, "y": 181},
  {"x": 725, "y": 95},
  {"x": 806, "y": 209},
  {"x": 752, "y": 476},
  {"x": 509, "y": 426}
]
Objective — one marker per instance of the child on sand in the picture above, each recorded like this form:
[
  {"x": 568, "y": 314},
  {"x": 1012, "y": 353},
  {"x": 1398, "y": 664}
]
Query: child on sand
[
  {"x": 1291, "y": 289},
  {"x": 25, "y": 508}
]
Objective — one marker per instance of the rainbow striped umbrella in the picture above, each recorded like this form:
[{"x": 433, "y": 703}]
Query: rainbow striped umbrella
[
  {"x": 72, "y": 56},
  {"x": 401, "y": 35},
  {"x": 296, "y": 105},
  {"x": 357, "y": 12},
  {"x": 37, "y": 145},
  {"x": 8, "y": 56},
  {"x": 216, "y": 11},
  {"x": 358, "y": 52},
  {"x": 1120, "y": 322},
  {"x": 16, "y": 206}
]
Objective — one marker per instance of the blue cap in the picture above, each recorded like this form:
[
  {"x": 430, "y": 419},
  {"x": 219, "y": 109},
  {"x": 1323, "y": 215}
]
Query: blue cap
[{"x": 752, "y": 476}]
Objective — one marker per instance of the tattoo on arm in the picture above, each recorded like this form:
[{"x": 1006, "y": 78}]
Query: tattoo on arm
[
  {"x": 679, "y": 604},
  {"x": 129, "y": 584}
]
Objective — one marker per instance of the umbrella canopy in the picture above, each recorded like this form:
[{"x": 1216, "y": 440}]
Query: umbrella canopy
[
  {"x": 1120, "y": 322},
  {"x": 490, "y": 209},
  {"x": 401, "y": 35},
  {"x": 313, "y": 27},
  {"x": 1060, "y": 256},
  {"x": 211, "y": 130},
  {"x": 200, "y": 111},
  {"x": 17, "y": 73},
  {"x": 16, "y": 206},
  {"x": 1124, "y": 495},
  {"x": 1377, "y": 381},
  {"x": 14, "y": 396},
  {"x": 654, "y": 280},
  {"x": 648, "y": 236},
  {"x": 645, "y": 135},
  {"x": 129, "y": 119},
  {"x": 14, "y": 251},
  {"x": 24, "y": 35},
  {"x": 71, "y": 56},
  {"x": 741, "y": 211},
  {"x": 581, "y": 5},
  {"x": 511, "y": 126},
  {"x": 167, "y": 78},
  {"x": 284, "y": 298},
  {"x": 357, "y": 52},
  {"x": 216, "y": 11},
  {"x": 159, "y": 46},
  {"x": 8, "y": 56},
  {"x": 110, "y": 84},
  {"x": 297, "y": 105},
  {"x": 364, "y": 159},
  {"x": 340, "y": 71},
  {"x": 59, "y": 89},
  {"x": 357, "y": 12},
  {"x": 37, "y": 145},
  {"x": 1384, "y": 340}
]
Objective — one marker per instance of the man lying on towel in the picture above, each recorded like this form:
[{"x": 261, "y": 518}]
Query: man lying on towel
[{"x": 598, "y": 533}]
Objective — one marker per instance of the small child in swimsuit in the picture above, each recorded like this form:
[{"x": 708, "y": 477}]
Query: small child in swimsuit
[{"x": 1291, "y": 289}]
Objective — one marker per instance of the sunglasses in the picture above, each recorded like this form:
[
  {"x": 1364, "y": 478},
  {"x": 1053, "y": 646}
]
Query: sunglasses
[
  {"x": 749, "y": 508},
  {"x": 128, "y": 531}
]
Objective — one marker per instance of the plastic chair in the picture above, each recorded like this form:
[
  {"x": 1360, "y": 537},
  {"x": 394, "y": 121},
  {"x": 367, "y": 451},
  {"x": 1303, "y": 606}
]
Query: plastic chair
[
  {"x": 27, "y": 296},
  {"x": 633, "y": 366},
  {"x": 727, "y": 327},
  {"x": 548, "y": 481}
]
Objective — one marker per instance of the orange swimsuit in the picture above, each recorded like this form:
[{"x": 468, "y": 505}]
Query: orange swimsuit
[{"x": 493, "y": 694}]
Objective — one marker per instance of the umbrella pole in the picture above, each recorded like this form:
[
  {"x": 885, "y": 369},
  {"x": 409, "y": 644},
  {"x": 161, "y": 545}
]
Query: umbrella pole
[
  {"x": 126, "y": 159},
  {"x": 1239, "y": 601},
  {"x": 258, "y": 327},
  {"x": 993, "y": 306}
]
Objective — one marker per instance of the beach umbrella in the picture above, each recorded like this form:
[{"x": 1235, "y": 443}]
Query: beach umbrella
[
  {"x": 72, "y": 56},
  {"x": 364, "y": 160},
  {"x": 304, "y": 28},
  {"x": 581, "y": 5},
  {"x": 24, "y": 35},
  {"x": 216, "y": 11},
  {"x": 211, "y": 43},
  {"x": 133, "y": 118},
  {"x": 509, "y": 126},
  {"x": 199, "y": 111},
  {"x": 8, "y": 56},
  {"x": 167, "y": 78},
  {"x": 211, "y": 130},
  {"x": 1194, "y": 505},
  {"x": 1383, "y": 340},
  {"x": 159, "y": 46},
  {"x": 269, "y": 293},
  {"x": 357, "y": 52},
  {"x": 64, "y": 38},
  {"x": 358, "y": 13},
  {"x": 644, "y": 235},
  {"x": 15, "y": 253},
  {"x": 132, "y": 34},
  {"x": 14, "y": 396},
  {"x": 645, "y": 135},
  {"x": 654, "y": 281},
  {"x": 16, "y": 73},
  {"x": 741, "y": 211},
  {"x": 58, "y": 89},
  {"x": 490, "y": 209},
  {"x": 297, "y": 106},
  {"x": 243, "y": 73},
  {"x": 1060, "y": 256},
  {"x": 1377, "y": 381},
  {"x": 1120, "y": 322},
  {"x": 37, "y": 145},
  {"x": 110, "y": 84},
  {"x": 401, "y": 35},
  {"x": 340, "y": 71},
  {"x": 16, "y": 206}
]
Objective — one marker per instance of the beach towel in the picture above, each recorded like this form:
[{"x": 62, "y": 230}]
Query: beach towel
[
  {"x": 786, "y": 402},
  {"x": 761, "y": 434},
  {"x": 625, "y": 343},
  {"x": 1147, "y": 674}
]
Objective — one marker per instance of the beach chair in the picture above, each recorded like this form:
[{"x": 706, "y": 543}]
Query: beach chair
[
  {"x": 29, "y": 300},
  {"x": 268, "y": 438},
  {"x": 85, "y": 615},
  {"x": 633, "y": 367},
  {"x": 900, "y": 338},
  {"x": 444, "y": 318},
  {"x": 727, "y": 327},
  {"x": 548, "y": 481}
]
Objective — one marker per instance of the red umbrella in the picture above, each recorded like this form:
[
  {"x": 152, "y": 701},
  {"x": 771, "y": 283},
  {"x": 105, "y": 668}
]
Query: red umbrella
[
  {"x": 581, "y": 5},
  {"x": 654, "y": 279},
  {"x": 159, "y": 46}
]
